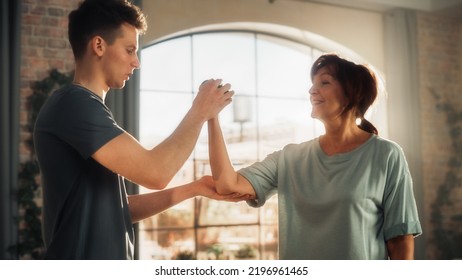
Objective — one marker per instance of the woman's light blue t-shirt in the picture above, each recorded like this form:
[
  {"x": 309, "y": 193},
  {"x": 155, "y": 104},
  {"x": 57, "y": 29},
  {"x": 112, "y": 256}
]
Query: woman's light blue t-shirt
[{"x": 337, "y": 207}]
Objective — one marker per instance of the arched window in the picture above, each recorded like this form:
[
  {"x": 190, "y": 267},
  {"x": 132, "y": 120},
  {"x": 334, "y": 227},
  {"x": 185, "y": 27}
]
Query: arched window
[{"x": 271, "y": 108}]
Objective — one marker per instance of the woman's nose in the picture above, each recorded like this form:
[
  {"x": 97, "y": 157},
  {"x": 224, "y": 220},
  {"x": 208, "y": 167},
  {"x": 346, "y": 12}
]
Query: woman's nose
[{"x": 312, "y": 90}]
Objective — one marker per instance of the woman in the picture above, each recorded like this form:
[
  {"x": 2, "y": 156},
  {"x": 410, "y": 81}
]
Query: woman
[{"x": 344, "y": 195}]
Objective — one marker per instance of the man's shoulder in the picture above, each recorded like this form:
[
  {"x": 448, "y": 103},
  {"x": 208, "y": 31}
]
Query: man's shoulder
[
  {"x": 72, "y": 94},
  {"x": 71, "y": 104}
]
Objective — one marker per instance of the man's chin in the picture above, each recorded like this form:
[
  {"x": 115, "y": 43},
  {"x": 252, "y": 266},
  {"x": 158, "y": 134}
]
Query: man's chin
[{"x": 118, "y": 86}]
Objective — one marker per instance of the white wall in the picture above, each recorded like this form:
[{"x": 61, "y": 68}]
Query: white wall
[{"x": 356, "y": 34}]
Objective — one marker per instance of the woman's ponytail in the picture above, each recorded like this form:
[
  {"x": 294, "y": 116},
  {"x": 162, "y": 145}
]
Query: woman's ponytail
[{"x": 368, "y": 126}]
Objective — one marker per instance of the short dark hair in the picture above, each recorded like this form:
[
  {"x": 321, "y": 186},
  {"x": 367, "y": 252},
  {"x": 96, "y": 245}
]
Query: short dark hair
[
  {"x": 358, "y": 81},
  {"x": 103, "y": 18}
]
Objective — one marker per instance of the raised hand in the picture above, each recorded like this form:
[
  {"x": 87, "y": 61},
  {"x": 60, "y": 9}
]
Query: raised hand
[{"x": 212, "y": 98}]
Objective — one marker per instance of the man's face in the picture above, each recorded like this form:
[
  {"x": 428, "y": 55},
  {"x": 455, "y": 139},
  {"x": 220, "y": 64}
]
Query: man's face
[{"x": 120, "y": 58}]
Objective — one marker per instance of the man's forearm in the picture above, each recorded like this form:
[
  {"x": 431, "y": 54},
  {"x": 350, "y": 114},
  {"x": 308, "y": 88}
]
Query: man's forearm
[
  {"x": 177, "y": 148},
  {"x": 143, "y": 206}
]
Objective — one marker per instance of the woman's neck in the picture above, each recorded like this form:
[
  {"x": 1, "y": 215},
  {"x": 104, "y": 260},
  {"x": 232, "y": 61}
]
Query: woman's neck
[{"x": 343, "y": 136}]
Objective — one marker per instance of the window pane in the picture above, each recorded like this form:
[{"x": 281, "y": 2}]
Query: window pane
[
  {"x": 283, "y": 67},
  {"x": 166, "y": 244},
  {"x": 225, "y": 242},
  {"x": 284, "y": 121},
  {"x": 212, "y": 212},
  {"x": 167, "y": 66},
  {"x": 269, "y": 242},
  {"x": 160, "y": 114},
  {"x": 229, "y": 56},
  {"x": 179, "y": 216},
  {"x": 239, "y": 125}
]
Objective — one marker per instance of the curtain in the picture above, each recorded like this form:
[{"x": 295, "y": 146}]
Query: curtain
[
  {"x": 403, "y": 96},
  {"x": 9, "y": 124}
]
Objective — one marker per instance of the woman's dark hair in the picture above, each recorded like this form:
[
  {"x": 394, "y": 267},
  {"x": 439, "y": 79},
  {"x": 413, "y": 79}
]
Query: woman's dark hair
[
  {"x": 103, "y": 18},
  {"x": 358, "y": 82}
]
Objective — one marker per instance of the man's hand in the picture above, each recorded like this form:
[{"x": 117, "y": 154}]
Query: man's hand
[
  {"x": 211, "y": 99},
  {"x": 206, "y": 187}
]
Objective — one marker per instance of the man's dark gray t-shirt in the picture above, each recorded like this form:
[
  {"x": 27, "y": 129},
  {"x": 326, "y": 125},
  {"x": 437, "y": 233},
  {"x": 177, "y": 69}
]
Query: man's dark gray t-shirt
[{"x": 85, "y": 206}]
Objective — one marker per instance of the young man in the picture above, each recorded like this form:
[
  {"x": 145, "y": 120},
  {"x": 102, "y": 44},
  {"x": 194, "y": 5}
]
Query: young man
[{"x": 84, "y": 155}]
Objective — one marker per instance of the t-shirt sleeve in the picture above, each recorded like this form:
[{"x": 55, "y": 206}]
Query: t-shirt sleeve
[
  {"x": 85, "y": 123},
  {"x": 400, "y": 209},
  {"x": 263, "y": 178}
]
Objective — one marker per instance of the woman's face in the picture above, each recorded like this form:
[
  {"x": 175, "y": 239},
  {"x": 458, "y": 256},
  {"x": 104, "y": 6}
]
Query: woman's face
[{"x": 326, "y": 96}]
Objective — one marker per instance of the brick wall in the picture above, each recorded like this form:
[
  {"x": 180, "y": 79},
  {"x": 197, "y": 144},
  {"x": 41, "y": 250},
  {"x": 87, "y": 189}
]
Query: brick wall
[
  {"x": 440, "y": 71},
  {"x": 44, "y": 46}
]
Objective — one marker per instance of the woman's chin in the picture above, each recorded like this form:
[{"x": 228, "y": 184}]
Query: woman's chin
[{"x": 314, "y": 115}]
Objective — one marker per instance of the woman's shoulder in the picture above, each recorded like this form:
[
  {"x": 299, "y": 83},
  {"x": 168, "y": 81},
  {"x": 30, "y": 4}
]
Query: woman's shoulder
[
  {"x": 388, "y": 147},
  {"x": 386, "y": 143}
]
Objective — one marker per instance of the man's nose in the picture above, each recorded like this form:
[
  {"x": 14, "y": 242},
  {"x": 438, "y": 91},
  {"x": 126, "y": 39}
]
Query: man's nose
[{"x": 136, "y": 63}]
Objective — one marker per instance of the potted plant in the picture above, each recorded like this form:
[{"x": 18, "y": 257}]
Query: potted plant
[
  {"x": 216, "y": 249},
  {"x": 185, "y": 255},
  {"x": 245, "y": 252}
]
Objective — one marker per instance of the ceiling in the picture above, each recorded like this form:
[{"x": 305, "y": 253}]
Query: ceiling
[{"x": 450, "y": 8}]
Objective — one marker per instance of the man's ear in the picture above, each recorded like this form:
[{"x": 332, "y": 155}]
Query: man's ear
[{"x": 98, "y": 45}]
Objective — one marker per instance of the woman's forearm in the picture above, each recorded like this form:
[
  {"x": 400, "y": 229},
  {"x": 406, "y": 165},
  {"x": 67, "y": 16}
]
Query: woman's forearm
[
  {"x": 227, "y": 180},
  {"x": 222, "y": 169}
]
